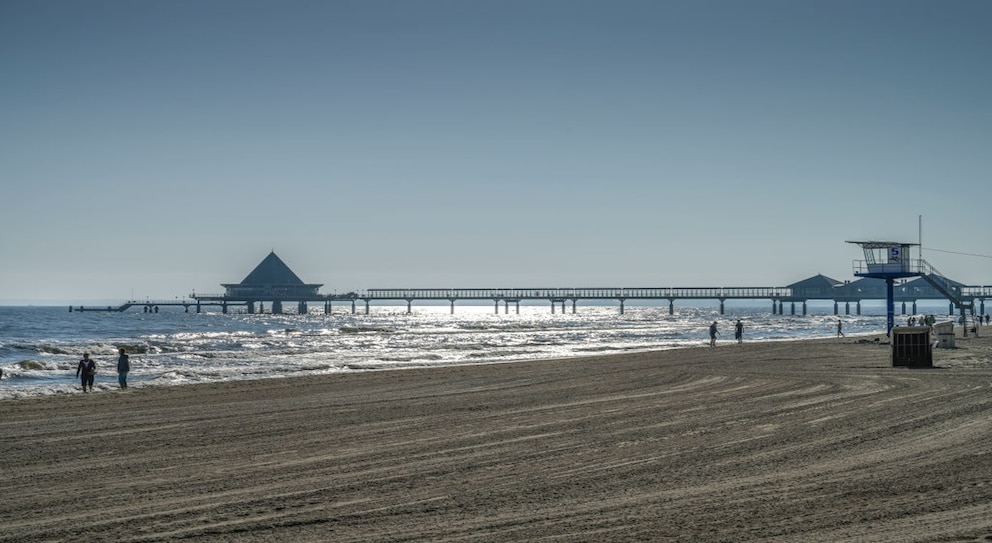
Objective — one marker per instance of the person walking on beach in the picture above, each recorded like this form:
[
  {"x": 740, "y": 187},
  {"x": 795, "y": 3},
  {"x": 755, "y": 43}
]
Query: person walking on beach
[
  {"x": 713, "y": 333},
  {"x": 123, "y": 366},
  {"x": 840, "y": 328},
  {"x": 739, "y": 331},
  {"x": 86, "y": 370}
]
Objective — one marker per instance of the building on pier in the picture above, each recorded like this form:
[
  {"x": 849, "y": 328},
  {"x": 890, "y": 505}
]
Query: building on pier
[
  {"x": 907, "y": 292},
  {"x": 271, "y": 281}
]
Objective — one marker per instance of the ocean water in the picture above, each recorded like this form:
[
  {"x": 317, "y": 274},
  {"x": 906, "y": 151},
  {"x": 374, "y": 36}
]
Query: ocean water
[{"x": 41, "y": 346}]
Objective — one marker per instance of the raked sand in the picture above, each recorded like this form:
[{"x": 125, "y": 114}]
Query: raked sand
[{"x": 819, "y": 441}]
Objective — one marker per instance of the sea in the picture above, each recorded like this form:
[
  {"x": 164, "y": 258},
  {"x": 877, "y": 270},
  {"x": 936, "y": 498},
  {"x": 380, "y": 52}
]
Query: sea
[{"x": 40, "y": 346}]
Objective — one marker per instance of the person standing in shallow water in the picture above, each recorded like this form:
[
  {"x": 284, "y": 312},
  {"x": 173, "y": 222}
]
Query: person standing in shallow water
[
  {"x": 713, "y": 333},
  {"x": 840, "y": 328},
  {"x": 86, "y": 371},
  {"x": 123, "y": 366},
  {"x": 739, "y": 331}
]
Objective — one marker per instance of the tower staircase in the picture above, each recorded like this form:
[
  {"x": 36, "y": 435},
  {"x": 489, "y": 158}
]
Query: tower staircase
[{"x": 951, "y": 291}]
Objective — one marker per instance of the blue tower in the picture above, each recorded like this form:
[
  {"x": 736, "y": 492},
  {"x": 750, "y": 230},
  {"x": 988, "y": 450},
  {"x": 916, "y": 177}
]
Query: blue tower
[{"x": 889, "y": 260}]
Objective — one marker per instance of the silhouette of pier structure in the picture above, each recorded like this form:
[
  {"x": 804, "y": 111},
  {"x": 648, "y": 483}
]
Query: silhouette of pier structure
[{"x": 272, "y": 285}]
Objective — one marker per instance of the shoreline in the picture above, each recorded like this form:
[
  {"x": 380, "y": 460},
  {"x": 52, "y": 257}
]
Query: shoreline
[
  {"x": 108, "y": 384},
  {"x": 815, "y": 439}
]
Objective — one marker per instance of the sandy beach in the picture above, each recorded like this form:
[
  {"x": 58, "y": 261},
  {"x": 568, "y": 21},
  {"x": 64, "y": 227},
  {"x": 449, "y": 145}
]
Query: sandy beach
[{"x": 794, "y": 441}]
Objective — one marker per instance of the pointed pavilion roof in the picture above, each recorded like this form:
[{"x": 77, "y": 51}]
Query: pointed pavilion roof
[{"x": 272, "y": 271}]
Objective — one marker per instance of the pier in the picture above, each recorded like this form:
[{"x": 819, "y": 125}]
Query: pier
[
  {"x": 563, "y": 296},
  {"x": 782, "y": 300},
  {"x": 272, "y": 286}
]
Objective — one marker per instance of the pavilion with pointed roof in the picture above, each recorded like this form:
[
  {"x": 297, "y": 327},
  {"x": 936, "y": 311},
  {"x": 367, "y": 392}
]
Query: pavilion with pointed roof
[
  {"x": 272, "y": 277},
  {"x": 271, "y": 281}
]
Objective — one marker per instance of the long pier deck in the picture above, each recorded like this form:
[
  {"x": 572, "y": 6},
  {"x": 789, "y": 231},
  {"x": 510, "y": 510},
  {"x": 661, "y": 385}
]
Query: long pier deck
[
  {"x": 556, "y": 296},
  {"x": 561, "y": 296}
]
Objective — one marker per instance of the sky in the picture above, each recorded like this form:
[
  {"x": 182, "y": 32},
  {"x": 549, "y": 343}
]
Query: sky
[{"x": 152, "y": 149}]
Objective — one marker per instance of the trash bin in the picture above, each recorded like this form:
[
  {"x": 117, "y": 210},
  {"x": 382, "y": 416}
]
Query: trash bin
[{"x": 911, "y": 347}]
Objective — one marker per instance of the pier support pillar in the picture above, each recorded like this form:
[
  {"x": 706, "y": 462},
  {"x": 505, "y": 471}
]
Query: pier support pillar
[
  {"x": 671, "y": 306},
  {"x": 409, "y": 306},
  {"x": 847, "y": 308},
  {"x": 353, "y": 307},
  {"x": 552, "y": 307},
  {"x": 793, "y": 311},
  {"x": 573, "y": 306},
  {"x": 250, "y": 307},
  {"x": 721, "y": 306},
  {"x": 858, "y": 307},
  {"x": 950, "y": 309},
  {"x": 366, "y": 307},
  {"x": 774, "y": 307},
  {"x": 835, "y": 307},
  {"x": 804, "y": 308},
  {"x": 452, "y": 300},
  {"x": 301, "y": 308},
  {"x": 904, "y": 308},
  {"x": 890, "y": 303},
  {"x": 621, "y": 305},
  {"x": 497, "y": 307},
  {"x": 914, "y": 307},
  {"x": 223, "y": 308},
  {"x": 277, "y": 307}
]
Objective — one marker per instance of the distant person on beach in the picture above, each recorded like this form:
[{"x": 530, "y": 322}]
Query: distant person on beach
[
  {"x": 713, "y": 333},
  {"x": 739, "y": 331},
  {"x": 86, "y": 370},
  {"x": 840, "y": 328},
  {"x": 123, "y": 366}
]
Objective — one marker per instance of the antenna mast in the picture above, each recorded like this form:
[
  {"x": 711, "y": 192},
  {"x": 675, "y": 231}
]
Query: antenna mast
[{"x": 921, "y": 235}]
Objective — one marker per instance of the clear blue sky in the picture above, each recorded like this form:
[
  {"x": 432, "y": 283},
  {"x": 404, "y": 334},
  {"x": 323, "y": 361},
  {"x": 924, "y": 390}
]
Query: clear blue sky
[{"x": 152, "y": 148}]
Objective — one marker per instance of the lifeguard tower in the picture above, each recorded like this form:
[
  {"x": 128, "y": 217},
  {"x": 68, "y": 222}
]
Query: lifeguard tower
[
  {"x": 888, "y": 260},
  {"x": 891, "y": 260}
]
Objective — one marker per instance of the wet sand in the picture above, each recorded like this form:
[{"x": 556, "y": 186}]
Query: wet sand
[{"x": 795, "y": 441}]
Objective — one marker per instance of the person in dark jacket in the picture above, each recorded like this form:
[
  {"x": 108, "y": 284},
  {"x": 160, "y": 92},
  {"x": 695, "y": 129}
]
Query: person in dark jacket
[
  {"x": 86, "y": 371},
  {"x": 123, "y": 366}
]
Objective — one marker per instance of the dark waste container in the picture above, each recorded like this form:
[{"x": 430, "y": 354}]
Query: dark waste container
[{"x": 911, "y": 347}]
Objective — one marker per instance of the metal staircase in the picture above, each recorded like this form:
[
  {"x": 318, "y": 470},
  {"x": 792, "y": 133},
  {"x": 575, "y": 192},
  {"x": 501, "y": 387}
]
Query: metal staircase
[{"x": 943, "y": 285}]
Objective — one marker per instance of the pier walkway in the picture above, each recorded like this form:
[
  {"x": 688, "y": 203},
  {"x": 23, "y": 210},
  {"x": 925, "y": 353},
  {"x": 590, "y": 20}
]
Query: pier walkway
[
  {"x": 558, "y": 297},
  {"x": 561, "y": 296}
]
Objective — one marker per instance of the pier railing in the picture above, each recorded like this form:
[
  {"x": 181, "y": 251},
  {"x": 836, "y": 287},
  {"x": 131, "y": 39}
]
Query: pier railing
[{"x": 559, "y": 293}]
